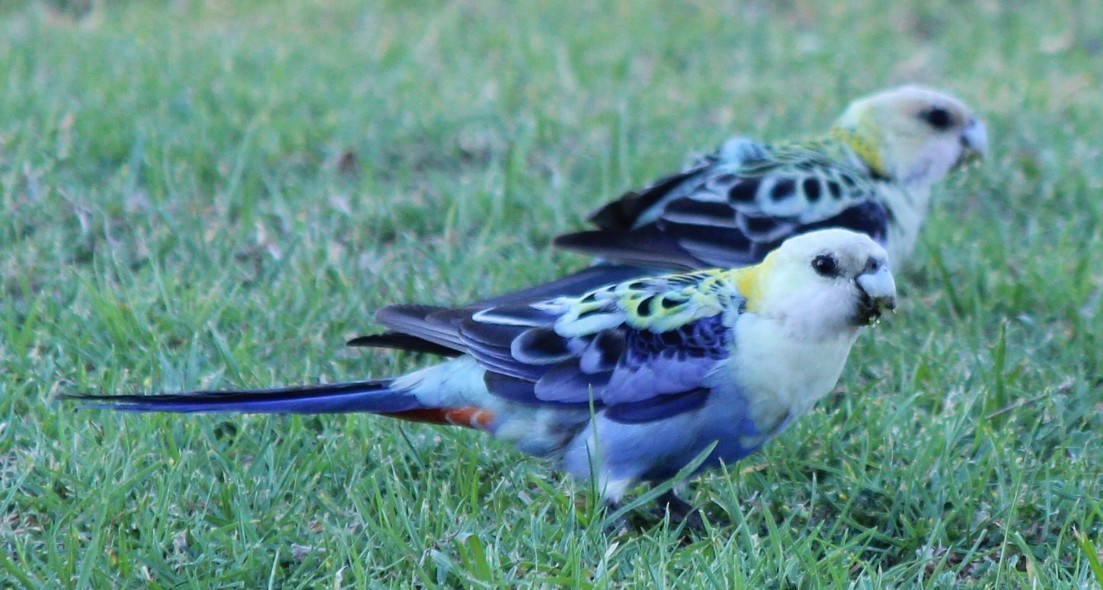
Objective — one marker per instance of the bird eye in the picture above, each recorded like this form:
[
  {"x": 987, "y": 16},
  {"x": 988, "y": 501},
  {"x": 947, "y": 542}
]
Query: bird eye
[
  {"x": 825, "y": 265},
  {"x": 937, "y": 117}
]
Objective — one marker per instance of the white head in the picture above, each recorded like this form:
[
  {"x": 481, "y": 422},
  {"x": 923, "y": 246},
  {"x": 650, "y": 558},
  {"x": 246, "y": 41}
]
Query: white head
[
  {"x": 912, "y": 135},
  {"x": 822, "y": 284}
]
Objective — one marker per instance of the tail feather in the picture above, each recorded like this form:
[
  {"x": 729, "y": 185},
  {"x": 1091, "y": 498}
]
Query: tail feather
[
  {"x": 646, "y": 247},
  {"x": 375, "y": 396},
  {"x": 400, "y": 341}
]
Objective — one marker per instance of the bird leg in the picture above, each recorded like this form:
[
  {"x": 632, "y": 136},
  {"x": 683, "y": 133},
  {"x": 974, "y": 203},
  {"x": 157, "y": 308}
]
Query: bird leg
[{"x": 680, "y": 511}]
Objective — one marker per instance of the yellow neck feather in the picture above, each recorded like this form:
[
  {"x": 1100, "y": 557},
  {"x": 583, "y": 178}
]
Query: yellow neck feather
[
  {"x": 864, "y": 146},
  {"x": 751, "y": 281}
]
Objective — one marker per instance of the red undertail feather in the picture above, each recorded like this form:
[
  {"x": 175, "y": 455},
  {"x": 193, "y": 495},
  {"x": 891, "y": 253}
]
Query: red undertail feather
[{"x": 467, "y": 416}]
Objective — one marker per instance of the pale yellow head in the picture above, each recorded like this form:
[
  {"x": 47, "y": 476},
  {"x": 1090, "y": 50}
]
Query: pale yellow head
[
  {"x": 912, "y": 135},
  {"x": 822, "y": 284}
]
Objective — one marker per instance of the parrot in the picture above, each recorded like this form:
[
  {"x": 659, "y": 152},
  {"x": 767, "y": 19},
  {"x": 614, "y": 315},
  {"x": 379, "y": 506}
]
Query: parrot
[
  {"x": 871, "y": 173},
  {"x": 628, "y": 383}
]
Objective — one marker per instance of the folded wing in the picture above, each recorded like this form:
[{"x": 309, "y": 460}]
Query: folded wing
[
  {"x": 640, "y": 350},
  {"x": 731, "y": 208}
]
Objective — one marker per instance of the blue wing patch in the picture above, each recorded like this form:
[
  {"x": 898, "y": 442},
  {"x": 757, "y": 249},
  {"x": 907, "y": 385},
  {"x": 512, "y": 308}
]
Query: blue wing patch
[
  {"x": 634, "y": 375},
  {"x": 657, "y": 408}
]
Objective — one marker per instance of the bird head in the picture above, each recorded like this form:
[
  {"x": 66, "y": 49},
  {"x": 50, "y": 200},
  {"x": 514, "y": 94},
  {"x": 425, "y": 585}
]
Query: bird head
[
  {"x": 912, "y": 135},
  {"x": 824, "y": 284}
]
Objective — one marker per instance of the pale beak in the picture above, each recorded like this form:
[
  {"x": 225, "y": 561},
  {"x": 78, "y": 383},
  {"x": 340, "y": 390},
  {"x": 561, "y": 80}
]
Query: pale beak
[
  {"x": 974, "y": 141},
  {"x": 877, "y": 293}
]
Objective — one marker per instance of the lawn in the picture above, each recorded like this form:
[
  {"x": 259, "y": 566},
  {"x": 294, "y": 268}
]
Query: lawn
[{"x": 217, "y": 194}]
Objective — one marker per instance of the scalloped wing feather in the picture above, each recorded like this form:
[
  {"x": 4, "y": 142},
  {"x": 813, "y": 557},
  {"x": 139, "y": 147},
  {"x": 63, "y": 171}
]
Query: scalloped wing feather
[{"x": 733, "y": 207}]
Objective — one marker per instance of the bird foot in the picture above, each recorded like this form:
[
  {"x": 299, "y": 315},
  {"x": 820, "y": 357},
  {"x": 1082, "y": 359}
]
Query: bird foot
[{"x": 669, "y": 505}]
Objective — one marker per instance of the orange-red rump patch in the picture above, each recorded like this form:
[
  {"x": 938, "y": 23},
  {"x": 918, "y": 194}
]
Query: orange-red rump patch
[{"x": 467, "y": 416}]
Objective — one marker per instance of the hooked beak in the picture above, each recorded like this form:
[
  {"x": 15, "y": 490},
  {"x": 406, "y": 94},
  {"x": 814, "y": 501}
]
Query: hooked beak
[
  {"x": 974, "y": 143},
  {"x": 876, "y": 293}
]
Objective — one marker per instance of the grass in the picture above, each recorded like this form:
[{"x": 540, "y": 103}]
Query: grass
[{"x": 206, "y": 194}]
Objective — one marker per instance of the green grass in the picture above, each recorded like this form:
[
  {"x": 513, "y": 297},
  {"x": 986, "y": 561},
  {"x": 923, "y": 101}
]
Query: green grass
[{"x": 215, "y": 194}]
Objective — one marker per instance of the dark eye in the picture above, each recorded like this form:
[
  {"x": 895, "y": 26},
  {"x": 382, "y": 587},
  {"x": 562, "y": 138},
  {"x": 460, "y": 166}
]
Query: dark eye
[
  {"x": 825, "y": 265},
  {"x": 937, "y": 117}
]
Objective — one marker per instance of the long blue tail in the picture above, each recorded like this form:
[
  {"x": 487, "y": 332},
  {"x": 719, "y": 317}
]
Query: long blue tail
[{"x": 360, "y": 396}]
